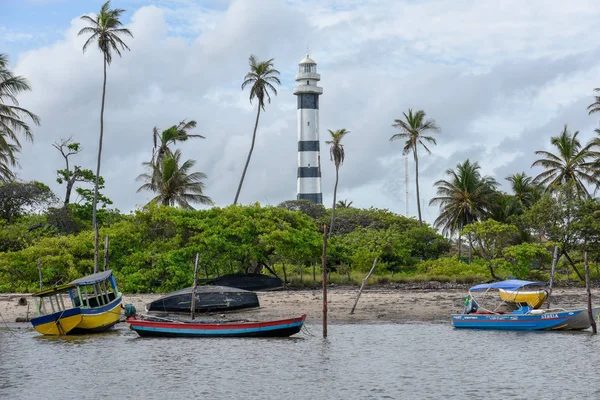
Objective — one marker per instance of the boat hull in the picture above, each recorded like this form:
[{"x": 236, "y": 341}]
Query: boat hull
[
  {"x": 281, "y": 328},
  {"x": 534, "y": 299},
  {"x": 208, "y": 299},
  {"x": 58, "y": 323},
  {"x": 251, "y": 282},
  {"x": 99, "y": 319},
  {"x": 559, "y": 320}
]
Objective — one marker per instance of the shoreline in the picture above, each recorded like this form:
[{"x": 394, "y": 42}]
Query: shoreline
[{"x": 376, "y": 305}]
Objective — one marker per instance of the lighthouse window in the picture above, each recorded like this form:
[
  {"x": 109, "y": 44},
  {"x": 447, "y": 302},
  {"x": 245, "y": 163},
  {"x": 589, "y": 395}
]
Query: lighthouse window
[
  {"x": 307, "y": 82},
  {"x": 308, "y": 123}
]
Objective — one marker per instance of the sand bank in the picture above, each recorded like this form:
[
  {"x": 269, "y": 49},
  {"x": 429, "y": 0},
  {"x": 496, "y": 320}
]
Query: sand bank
[{"x": 381, "y": 304}]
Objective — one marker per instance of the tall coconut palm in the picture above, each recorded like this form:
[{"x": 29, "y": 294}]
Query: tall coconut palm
[
  {"x": 12, "y": 118},
  {"x": 261, "y": 78},
  {"x": 506, "y": 206},
  {"x": 337, "y": 155},
  {"x": 413, "y": 128},
  {"x": 173, "y": 183},
  {"x": 573, "y": 164},
  {"x": 465, "y": 198},
  {"x": 176, "y": 133},
  {"x": 595, "y": 106},
  {"x": 104, "y": 30},
  {"x": 7, "y": 159},
  {"x": 524, "y": 189}
]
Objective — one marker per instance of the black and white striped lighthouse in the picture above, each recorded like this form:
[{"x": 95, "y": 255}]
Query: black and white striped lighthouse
[{"x": 309, "y": 159}]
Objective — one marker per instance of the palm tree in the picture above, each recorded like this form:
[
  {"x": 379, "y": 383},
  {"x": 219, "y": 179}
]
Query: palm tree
[
  {"x": 413, "y": 129},
  {"x": 465, "y": 198},
  {"x": 506, "y": 206},
  {"x": 261, "y": 77},
  {"x": 7, "y": 158},
  {"x": 344, "y": 204},
  {"x": 176, "y": 133},
  {"x": 572, "y": 164},
  {"x": 524, "y": 189},
  {"x": 595, "y": 106},
  {"x": 337, "y": 155},
  {"x": 173, "y": 183},
  {"x": 12, "y": 118},
  {"x": 105, "y": 30}
]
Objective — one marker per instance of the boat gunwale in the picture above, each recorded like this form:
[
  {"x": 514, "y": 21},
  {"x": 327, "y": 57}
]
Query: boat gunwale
[{"x": 134, "y": 321}]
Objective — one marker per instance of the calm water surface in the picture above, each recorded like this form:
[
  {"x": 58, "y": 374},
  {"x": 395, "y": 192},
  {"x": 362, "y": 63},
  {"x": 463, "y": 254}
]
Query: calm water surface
[{"x": 383, "y": 361}]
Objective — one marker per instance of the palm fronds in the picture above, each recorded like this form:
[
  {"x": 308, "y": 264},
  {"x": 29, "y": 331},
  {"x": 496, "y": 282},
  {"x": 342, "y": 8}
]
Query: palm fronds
[{"x": 13, "y": 119}]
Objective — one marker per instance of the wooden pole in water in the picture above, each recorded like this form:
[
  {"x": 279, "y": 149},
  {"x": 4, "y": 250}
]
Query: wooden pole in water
[
  {"x": 39, "y": 266},
  {"x": 105, "y": 252},
  {"x": 193, "y": 307},
  {"x": 554, "y": 262},
  {"x": 324, "y": 268},
  {"x": 364, "y": 282},
  {"x": 589, "y": 293}
]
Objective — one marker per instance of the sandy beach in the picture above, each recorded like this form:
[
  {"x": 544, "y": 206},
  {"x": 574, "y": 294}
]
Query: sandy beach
[{"x": 393, "y": 304}]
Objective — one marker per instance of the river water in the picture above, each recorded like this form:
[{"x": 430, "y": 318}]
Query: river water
[{"x": 357, "y": 361}]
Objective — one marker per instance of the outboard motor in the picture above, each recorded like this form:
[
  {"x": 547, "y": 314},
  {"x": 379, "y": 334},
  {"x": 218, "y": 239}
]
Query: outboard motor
[{"x": 130, "y": 310}]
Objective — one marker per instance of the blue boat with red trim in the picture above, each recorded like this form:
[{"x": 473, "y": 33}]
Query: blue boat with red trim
[
  {"x": 165, "y": 327},
  {"x": 519, "y": 316}
]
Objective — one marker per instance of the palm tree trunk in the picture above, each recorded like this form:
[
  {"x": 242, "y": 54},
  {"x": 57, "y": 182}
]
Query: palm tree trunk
[
  {"x": 337, "y": 169},
  {"x": 417, "y": 182},
  {"x": 248, "y": 160},
  {"x": 95, "y": 203},
  {"x": 459, "y": 245},
  {"x": 470, "y": 249}
]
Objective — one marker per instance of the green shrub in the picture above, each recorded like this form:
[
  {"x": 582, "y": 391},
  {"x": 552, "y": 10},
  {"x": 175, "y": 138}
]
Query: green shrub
[{"x": 452, "y": 267}]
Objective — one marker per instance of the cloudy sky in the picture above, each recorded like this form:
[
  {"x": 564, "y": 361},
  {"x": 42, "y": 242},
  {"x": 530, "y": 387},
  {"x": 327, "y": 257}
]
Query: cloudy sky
[{"x": 499, "y": 78}]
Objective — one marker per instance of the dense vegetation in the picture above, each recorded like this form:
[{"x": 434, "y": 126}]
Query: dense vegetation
[
  {"x": 488, "y": 234},
  {"x": 153, "y": 249}
]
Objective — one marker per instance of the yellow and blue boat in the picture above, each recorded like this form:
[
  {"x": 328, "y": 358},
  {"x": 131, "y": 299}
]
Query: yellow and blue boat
[
  {"x": 95, "y": 306},
  {"x": 54, "y": 318}
]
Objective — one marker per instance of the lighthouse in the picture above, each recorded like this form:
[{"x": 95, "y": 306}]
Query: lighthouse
[{"x": 309, "y": 159}]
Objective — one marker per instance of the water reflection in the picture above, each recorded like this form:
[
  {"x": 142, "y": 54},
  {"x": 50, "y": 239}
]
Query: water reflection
[{"x": 355, "y": 361}]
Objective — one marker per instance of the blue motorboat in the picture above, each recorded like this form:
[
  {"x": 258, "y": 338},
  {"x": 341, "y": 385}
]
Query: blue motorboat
[{"x": 518, "y": 316}]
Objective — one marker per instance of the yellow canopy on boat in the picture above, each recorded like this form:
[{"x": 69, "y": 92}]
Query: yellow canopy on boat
[{"x": 533, "y": 298}]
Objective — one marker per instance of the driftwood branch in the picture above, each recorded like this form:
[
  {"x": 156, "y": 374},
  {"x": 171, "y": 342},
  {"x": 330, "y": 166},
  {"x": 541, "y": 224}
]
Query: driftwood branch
[
  {"x": 271, "y": 270},
  {"x": 574, "y": 266},
  {"x": 554, "y": 263},
  {"x": 39, "y": 267},
  {"x": 193, "y": 307},
  {"x": 105, "y": 252},
  {"x": 364, "y": 282}
]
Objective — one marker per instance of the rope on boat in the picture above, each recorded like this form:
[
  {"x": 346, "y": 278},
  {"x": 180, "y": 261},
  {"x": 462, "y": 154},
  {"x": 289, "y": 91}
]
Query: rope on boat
[
  {"x": 306, "y": 331},
  {"x": 8, "y": 327},
  {"x": 56, "y": 322}
]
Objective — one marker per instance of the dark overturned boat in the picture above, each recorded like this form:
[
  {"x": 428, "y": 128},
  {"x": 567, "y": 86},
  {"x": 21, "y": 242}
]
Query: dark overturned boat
[
  {"x": 208, "y": 299},
  {"x": 252, "y": 282}
]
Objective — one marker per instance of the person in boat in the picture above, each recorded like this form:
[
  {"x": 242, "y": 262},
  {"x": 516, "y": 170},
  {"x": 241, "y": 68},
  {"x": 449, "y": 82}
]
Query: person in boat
[{"x": 471, "y": 305}]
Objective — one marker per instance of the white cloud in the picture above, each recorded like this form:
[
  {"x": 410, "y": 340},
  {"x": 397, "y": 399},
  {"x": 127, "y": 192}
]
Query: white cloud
[
  {"x": 13, "y": 36},
  {"x": 499, "y": 78}
]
